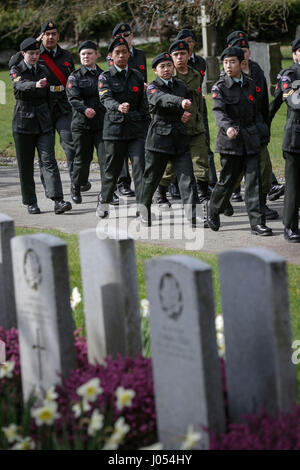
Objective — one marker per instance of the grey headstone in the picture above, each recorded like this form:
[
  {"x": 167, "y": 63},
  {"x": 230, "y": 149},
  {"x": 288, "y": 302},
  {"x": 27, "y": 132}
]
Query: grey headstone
[
  {"x": 2, "y": 352},
  {"x": 111, "y": 304},
  {"x": 8, "y": 317},
  {"x": 255, "y": 307},
  {"x": 187, "y": 379},
  {"x": 44, "y": 313},
  {"x": 297, "y": 35},
  {"x": 268, "y": 56}
]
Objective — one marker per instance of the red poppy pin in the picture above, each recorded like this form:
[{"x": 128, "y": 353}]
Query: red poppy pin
[
  {"x": 214, "y": 95},
  {"x": 14, "y": 75},
  {"x": 202, "y": 72},
  {"x": 142, "y": 67},
  {"x": 276, "y": 88},
  {"x": 111, "y": 62},
  {"x": 240, "y": 35},
  {"x": 258, "y": 89},
  {"x": 199, "y": 90},
  {"x": 285, "y": 85},
  {"x": 153, "y": 91},
  {"x": 69, "y": 85},
  {"x": 66, "y": 64},
  {"x": 135, "y": 89},
  {"x": 250, "y": 97},
  {"x": 100, "y": 85}
]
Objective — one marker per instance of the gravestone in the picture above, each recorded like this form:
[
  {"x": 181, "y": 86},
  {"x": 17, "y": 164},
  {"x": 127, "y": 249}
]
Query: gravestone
[
  {"x": 110, "y": 291},
  {"x": 209, "y": 52},
  {"x": 187, "y": 379},
  {"x": 44, "y": 315},
  {"x": 255, "y": 307},
  {"x": 297, "y": 35},
  {"x": 8, "y": 317},
  {"x": 2, "y": 352},
  {"x": 268, "y": 56}
]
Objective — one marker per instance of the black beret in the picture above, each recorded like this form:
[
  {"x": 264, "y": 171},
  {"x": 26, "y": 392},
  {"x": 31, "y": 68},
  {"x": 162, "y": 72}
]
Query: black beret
[
  {"x": 295, "y": 44},
  {"x": 121, "y": 28},
  {"x": 179, "y": 46},
  {"x": 185, "y": 33},
  {"x": 47, "y": 26},
  {"x": 233, "y": 52},
  {"x": 163, "y": 57},
  {"x": 236, "y": 35},
  {"x": 118, "y": 42},
  {"x": 29, "y": 44},
  {"x": 239, "y": 42},
  {"x": 87, "y": 45}
]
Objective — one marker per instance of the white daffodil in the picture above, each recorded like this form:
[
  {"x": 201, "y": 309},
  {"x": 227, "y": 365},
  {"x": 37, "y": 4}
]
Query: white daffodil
[
  {"x": 90, "y": 390},
  {"x": 25, "y": 443},
  {"x": 96, "y": 423},
  {"x": 11, "y": 432},
  {"x": 6, "y": 369},
  {"x": 120, "y": 430},
  {"x": 75, "y": 298},
  {"x": 77, "y": 410},
  {"x": 156, "y": 446},
  {"x": 46, "y": 414},
  {"x": 51, "y": 395},
  {"x": 219, "y": 322},
  {"x": 124, "y": 397},
  {"x": 191, "y": 439},
  {"x": 145, "y": 308}
]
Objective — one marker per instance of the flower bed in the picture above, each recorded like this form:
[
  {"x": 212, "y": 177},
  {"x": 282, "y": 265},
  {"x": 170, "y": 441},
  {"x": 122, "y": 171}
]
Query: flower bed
[{"x": 112, "y": 406}]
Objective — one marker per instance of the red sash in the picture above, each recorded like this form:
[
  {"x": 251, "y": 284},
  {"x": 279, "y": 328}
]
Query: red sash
[{"x": 53, "y": 67}]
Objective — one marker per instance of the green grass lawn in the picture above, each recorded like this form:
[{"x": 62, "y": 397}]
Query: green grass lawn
[
  {"x": 7, "y": 144},
  {"x": 146, "y": 251}
]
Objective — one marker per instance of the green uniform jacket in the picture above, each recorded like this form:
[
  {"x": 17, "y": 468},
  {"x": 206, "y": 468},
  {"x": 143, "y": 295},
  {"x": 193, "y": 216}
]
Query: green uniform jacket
[
  {"x": 114, "y": 90},
  {"x": 236, "y": 106},
  {"x": 193, "y": 81},
  {"x": 166, "y": 133},
  {"x": 31, "y": 113},
  {"x": 290, "y": 87},
  {"x": 82, "y": 93}
]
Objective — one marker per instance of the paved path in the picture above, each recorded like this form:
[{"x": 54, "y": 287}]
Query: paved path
[{"x": 234, "y": 231}]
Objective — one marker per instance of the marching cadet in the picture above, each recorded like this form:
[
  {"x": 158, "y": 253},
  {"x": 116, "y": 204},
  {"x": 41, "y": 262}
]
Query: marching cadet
[
  {"x": 121, "y": 91},
  {"x": 88, "y": 115},
  {"x": 59, "y": 64},
  {"x": 198, "y": 63},
  {"x": 234, "y": 109},
  {"x": 270, "y": 184},
  {"x": 32, "y": 128},
  {"x": 167, "y": 138},
  {"x": 179, "y": 51},
  {"x": 137, "y": 60},
  {"x": 253, "y": 70},
  {"x": 290, "y": 87}
]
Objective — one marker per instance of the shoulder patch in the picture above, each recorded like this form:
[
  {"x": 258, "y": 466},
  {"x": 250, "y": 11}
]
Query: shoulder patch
[
  {"x": 285, "y": 78},
  {"x": 102, "y": 76},
  {"x": 71, "y": 77},
  {"x": 215, "y": 88}
]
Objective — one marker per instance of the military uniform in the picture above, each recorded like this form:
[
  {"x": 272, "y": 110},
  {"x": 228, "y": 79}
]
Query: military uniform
[
  {"x": 32, "y": 128},
  {"x": 196, "y": 132},
  {"x": 82, "y": 92},
  {"x": 167, "y": 139},
  {"x": 290, "y": 89},
  {"x": 236, "y": 106},
  {"x": 58, "y": 65},
  {"x": 123, "y": 134}
]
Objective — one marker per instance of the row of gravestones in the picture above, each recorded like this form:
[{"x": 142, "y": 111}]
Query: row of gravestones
[{"x": 35, "y": 296}]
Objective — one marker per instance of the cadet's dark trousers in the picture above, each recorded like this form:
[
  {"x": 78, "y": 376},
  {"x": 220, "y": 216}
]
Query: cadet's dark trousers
[
  {"x": 25, "y": 148},
  {"x": 62, "y": 124},
  {"x": 232, "y": 167},
  {"x": 292, "y": 190},
  {"x": 115, "y": 153},
  {"x": 212, "y": 169},
  {"x": 125, "y": 178},
  {"x": 155, "y": 165},
  {"x": 85, "y": 141}
]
